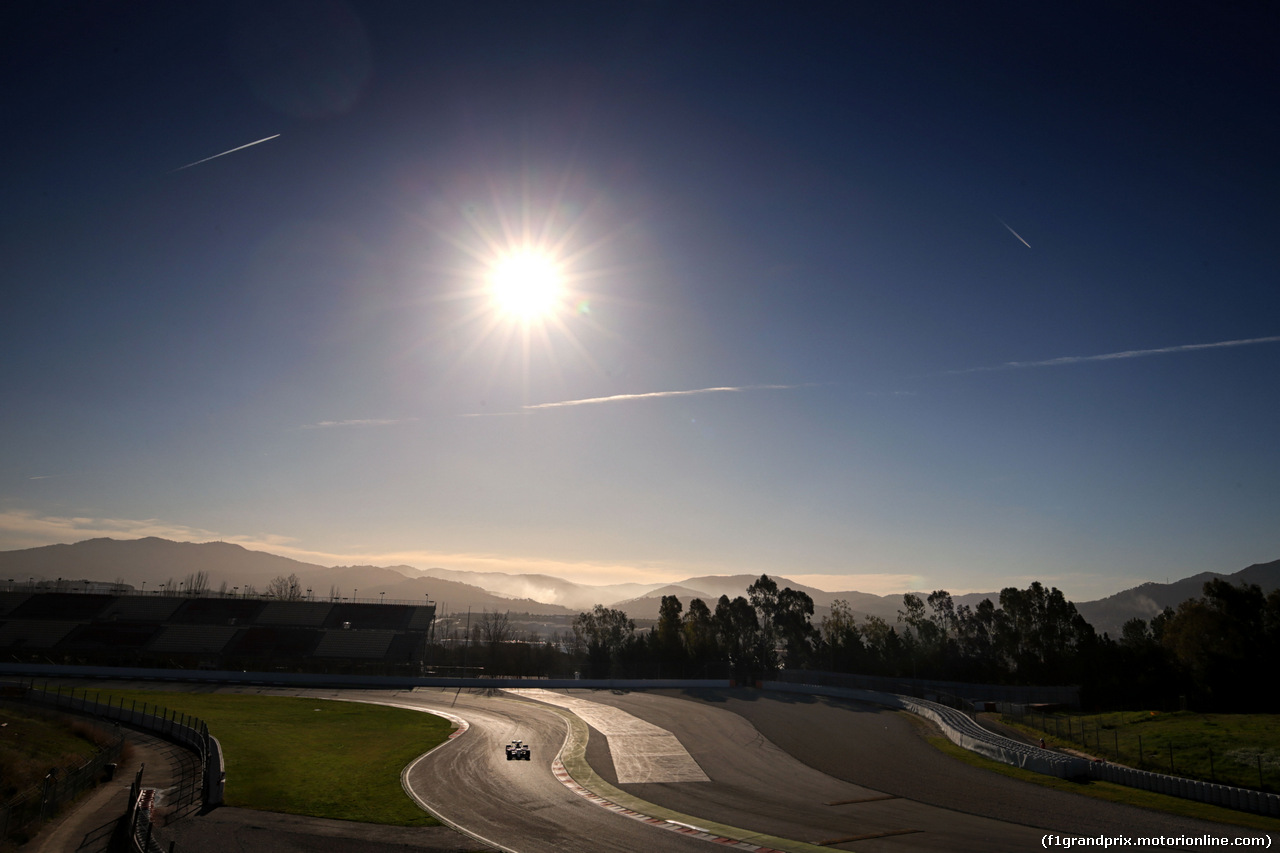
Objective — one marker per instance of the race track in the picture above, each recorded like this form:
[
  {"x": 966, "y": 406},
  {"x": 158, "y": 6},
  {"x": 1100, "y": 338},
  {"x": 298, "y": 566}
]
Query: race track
[{"x": 775, "y": 770}]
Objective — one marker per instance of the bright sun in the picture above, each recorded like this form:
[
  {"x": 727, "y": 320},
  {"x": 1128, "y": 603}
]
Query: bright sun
[{"x": 526, "y": 285}]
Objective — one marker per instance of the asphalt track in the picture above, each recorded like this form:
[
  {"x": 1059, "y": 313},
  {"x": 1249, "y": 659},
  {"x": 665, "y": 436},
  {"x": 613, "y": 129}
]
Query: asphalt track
[{"x": 782, "y": 771}]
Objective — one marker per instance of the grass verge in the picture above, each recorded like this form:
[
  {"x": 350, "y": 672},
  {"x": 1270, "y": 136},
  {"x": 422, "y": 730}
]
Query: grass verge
[
  {"x": 32, "y": 742},
  {"x": 313, "y": 757},
  {"x": 1108, "y": 791},
  {"x": 1228, "y": 749}
]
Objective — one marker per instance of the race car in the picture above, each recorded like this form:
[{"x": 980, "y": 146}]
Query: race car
[{"x": 517, "y": 750}]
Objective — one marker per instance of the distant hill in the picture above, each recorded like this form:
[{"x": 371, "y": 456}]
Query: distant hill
[
  {"x": 156, "y": 561},
  {"x": 1109, "y": 614},
  {"x": 544, "y": 588},
  {"x": 149, "y": 563}
]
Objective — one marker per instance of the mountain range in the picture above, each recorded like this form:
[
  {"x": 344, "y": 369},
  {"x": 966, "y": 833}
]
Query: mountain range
[{"x": 139, "y": 563}]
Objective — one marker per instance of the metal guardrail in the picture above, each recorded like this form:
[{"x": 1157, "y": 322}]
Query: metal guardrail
[
  {"x": 203, "y": 791},
  {"x": 26, "y": 812},
  {"x": 964, "y": 731}
]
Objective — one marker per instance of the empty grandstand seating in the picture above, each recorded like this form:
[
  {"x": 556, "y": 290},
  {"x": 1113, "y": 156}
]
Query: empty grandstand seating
[
  {"x": 142, "y": 608},
  {"x": 268, "y": 641},
  {"x": 354, "y": 644},
  {"x": 218, "y": 611},
  {"x": 310, "y": 614},
  {"x": 112, "y": 635},
  {"x": 70, "y": 606},
  {"x": 193, "y": 639},
  {"x": 34, "y": 633},
  {"x": 237, "y": 632},
  {"x": 387, "y": 617},
  {"x": 421, "y": 618},
  {"x": 10, "y": 601}
]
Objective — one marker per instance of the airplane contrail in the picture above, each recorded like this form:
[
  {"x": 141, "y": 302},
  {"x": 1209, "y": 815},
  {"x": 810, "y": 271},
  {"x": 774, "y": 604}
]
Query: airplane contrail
[
  {"x": 616, "y": 398},
  {"x": 1014, "y": 233},
  {"x": 1114, "y": 356},
  {"x": 650, "y": 395},
  {"x": 225, "y": 153}
]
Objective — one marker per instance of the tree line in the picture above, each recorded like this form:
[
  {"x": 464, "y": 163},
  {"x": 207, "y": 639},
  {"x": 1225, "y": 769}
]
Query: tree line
[{"x": 1216, "y": 652}]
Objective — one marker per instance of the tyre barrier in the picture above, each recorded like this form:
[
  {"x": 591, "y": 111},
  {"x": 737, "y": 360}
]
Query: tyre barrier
[{"x": 963, "y": 730}]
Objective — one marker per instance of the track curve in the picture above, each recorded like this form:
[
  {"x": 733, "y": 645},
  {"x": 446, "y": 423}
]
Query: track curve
[{"x": 816, "y": 771}]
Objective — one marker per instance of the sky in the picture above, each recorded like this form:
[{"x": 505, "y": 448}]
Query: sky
[{"x": 872, "y": 296}]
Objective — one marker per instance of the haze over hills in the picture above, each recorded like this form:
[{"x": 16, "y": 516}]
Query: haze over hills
[{"x": 152, "y": 562}]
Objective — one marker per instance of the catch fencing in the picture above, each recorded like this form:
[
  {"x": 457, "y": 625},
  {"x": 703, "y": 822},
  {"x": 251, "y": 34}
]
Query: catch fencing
[
  {"x": 1106, "y": 736},
  {"x": 201, "y": 790},
  {"x": 22, "y": 816},
  {"x": 960, "y": 728}
]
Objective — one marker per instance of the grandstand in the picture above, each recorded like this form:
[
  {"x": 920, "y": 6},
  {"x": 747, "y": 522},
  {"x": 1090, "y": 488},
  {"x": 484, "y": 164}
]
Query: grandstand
[{"x": 214, "y": 632}]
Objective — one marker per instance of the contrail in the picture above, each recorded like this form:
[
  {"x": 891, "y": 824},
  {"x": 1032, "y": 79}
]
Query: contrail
[
  {"x": 1014, "y": 233},
  {"x": 618, "y": 398},
  {"x": 225, "y": 153},
  {"x": 364, "y": 422},
  {"x": 1113, "y": 356}
]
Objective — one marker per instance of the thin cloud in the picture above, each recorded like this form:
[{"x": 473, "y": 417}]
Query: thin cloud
[
  {"x": 1116, "y": 356},
  {"x": 364, "y": 422},
  {"x": 652, "y": 395},
  {"x": 225, "y": 153},
  {"x": 1014, "y": 233}
]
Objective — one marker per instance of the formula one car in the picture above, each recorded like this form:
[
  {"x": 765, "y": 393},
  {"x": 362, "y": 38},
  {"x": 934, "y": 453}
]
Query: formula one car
[{"x": 517, "y": 750}]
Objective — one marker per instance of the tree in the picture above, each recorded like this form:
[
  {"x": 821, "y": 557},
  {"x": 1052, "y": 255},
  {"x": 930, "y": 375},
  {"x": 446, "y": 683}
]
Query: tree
[
  {"x": 285, "y": 589},
  {"x": 605, "y": 633},
  {"x": 783, "y": 617},
  {"x": 197, "y": 583},
  {"x": 1225, "y": 640},
  {"x": 699, "y": 630},
  {"x": 669, "y": 637},
  {"x": 842, "y": 646},
  {"x": 739, "y": 634},
  {"x": 793, "y": 628}
]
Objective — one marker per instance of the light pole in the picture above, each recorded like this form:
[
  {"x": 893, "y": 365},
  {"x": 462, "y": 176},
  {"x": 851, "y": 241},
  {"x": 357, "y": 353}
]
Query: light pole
[{"x": 383, "y": 600}]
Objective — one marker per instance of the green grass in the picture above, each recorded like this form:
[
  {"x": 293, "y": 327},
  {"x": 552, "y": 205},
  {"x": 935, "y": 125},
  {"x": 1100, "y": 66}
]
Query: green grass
[
  {"x": 1229, "y": 749},
  {"x": 32, "y": 742},
  {"x": 1099, "y": 790},
  {"x": 312, "y": 757}
]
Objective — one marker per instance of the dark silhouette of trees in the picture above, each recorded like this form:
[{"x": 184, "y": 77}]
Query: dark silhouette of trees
[
  {"x": 606, "y": 634},
  {"x": 285, "y": 588},
  {"x": 1226, "y": 643},
  {"x": 1217, "y": 651}
]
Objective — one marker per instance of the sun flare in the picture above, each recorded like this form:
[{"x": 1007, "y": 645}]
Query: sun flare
[{"x": 526, "y": 285}]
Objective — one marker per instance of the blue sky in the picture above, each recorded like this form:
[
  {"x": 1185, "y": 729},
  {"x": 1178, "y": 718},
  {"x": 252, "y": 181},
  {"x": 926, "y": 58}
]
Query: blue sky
[{"x": 873, "y": 296}]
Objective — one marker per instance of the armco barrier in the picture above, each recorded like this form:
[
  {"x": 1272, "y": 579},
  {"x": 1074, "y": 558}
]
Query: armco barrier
[{"x": 961, "y": 729}]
